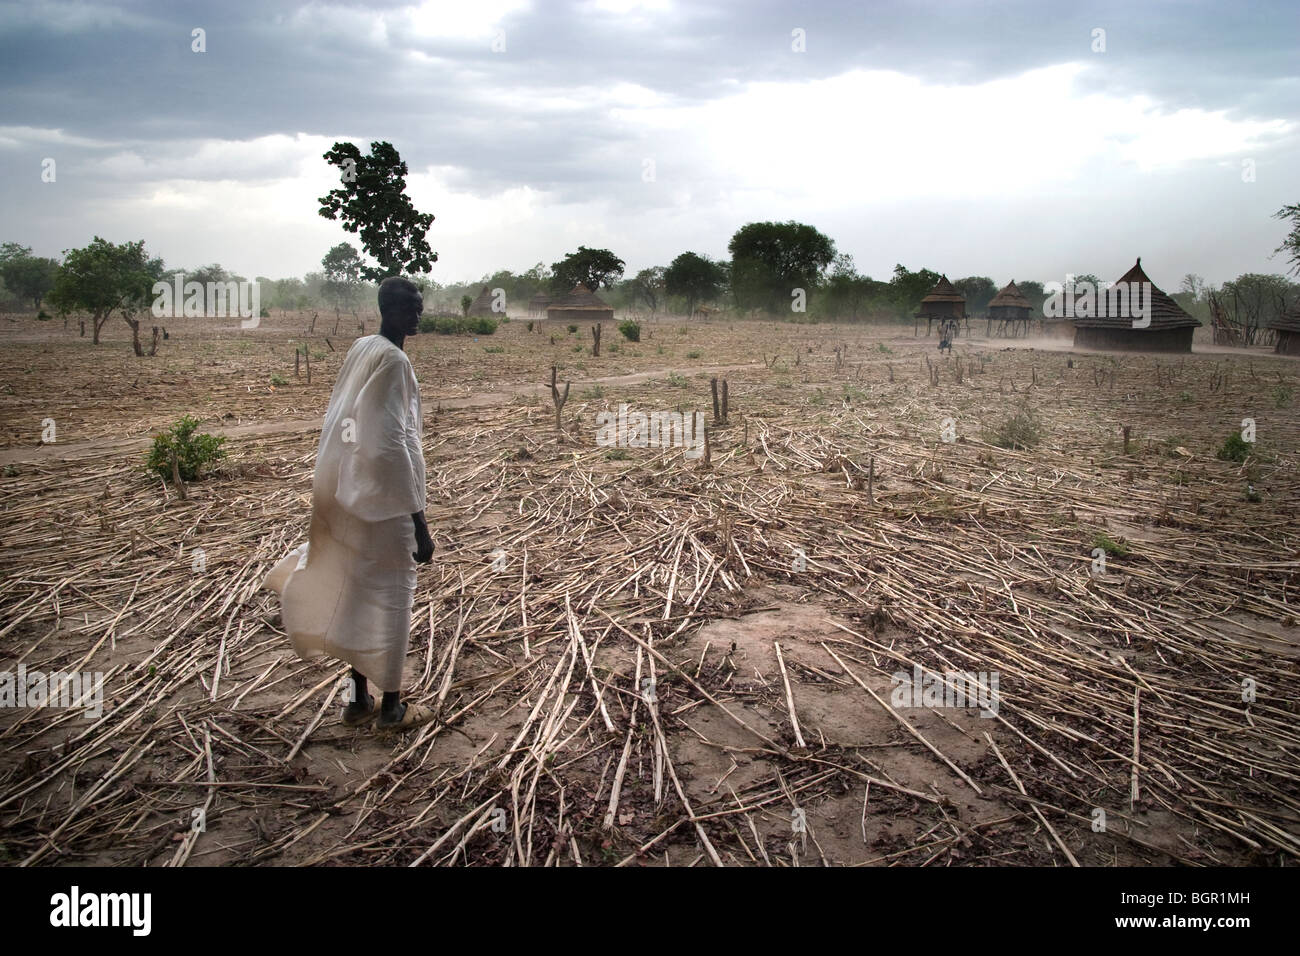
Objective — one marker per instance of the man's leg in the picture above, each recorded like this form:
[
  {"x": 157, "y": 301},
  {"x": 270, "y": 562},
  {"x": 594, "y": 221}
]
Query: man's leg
[
  {"x": 392, "y": 710},
  {"x": 362, "y": 702}
]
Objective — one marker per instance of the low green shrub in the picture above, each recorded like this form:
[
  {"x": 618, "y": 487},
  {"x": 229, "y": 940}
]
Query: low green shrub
[
  {"x": 193, "y": 452},
  {"x": 1234, "y": 448},
  {"x": 458, "y": 325}
]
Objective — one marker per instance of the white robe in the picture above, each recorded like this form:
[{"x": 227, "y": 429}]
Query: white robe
[{"x": 347, "y": 592}]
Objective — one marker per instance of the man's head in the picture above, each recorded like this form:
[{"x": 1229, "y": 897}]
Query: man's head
[{"x": 400, "y": 306}]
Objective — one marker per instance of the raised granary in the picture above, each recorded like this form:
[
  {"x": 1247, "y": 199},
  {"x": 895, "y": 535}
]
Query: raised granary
[
  {"x": 580, "y": 305},
  {"x": 945, "y": 305},
  {"x": 1109, "y": 322},
  {"x": 1009, "y": 312}
]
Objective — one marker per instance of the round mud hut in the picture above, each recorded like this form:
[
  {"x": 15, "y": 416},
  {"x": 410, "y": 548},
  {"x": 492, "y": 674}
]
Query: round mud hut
[
  {"x": 1109, "y": 326},
  {"x": 1287, "y": 327},
  {"x": 944, "y": 304},
  {"x": 580, "y": 305},
  {"x": 1010, "y": 311}
]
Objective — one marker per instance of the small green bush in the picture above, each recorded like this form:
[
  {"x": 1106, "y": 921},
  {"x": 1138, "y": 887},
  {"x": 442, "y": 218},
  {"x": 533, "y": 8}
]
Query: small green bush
[
  {"x": 573, "y": 328},
  {"x": 631, "y": 330},
  {"x": 692, "y": 355},
  {"x": 278, "y": 379},
  {"x": 1022, "y": 430},
  {"x": 193, "y": 452},
  {"x": 1281, "y": 394},
  {"x": 458, "y": 325},
  {"x": 42, "y": 316},
  {"x": 494, "y": 348},
  {"x": 1234, "y": 448}
]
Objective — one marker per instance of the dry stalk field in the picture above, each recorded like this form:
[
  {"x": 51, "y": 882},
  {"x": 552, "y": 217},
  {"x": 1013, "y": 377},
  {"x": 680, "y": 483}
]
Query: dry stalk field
[{"x": 643, "y": 659}]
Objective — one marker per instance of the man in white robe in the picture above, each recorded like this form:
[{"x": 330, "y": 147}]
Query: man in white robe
[{"x": 347, "y": 593}]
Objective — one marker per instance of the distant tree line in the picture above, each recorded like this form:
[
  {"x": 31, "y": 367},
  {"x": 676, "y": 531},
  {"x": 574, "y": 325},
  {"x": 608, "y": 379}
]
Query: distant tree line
[{"x": 781, "y": 269}]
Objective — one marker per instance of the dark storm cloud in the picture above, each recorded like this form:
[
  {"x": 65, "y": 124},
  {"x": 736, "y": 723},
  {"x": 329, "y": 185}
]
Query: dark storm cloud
[
  {"x": 127, "y": 73},
  {"x": 135, "y": 107}
]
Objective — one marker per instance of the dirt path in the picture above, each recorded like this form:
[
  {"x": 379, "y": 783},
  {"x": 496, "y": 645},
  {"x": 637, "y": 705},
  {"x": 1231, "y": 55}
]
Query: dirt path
[{"x": 113, "y": 446}]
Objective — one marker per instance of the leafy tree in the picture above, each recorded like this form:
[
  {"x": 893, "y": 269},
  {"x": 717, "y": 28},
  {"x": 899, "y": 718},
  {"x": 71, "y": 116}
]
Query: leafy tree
[
  {"x": 1253, "y": 299},
  {"x": 769, "y": 260},
  {"x": 29, "y": 277},
  {"x": 1291, "y": 244},
  {"x": 849, "y": 294},
  {"x": 1035, "y": 293},
  {"x": 591, "y": 267},
  {"x": 1193, "y": 285},
  {"x": 342, "y": 266},
  {"x": 695, "y": 278},
  {"x": 213, "y": 272},
  {"x": 649, "y": 286},
  {"x": 907, "y": 289},
  {"x": 979, "y": 292},
  {"x": 13, "y": 250},
  {"x": 103, "y": 278},
  {"x": 539, "y": 275},
  {"x": 373, "y": 202}
]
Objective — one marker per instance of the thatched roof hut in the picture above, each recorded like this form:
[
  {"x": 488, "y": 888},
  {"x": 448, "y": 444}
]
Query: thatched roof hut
[
  {"x": 1287, "y": 327},
  {"x": 1170, "y": 327},
  {"x": 1009, "y": 303},
  {"x": 944, "y": 301},
  {"x": 945, "y": 305},
  {"x": 580, "y": 305},
  {"x": 1010, "y": 310},
  {"x": 482, "y": 305},
  {"x": 538, "y": 303}
]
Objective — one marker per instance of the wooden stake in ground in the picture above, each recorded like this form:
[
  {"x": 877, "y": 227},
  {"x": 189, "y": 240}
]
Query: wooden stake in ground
[
  {"x": 556, "y": 396},
  {"x": 176, "y": 476},
  {"x": 595, "y": 340}
]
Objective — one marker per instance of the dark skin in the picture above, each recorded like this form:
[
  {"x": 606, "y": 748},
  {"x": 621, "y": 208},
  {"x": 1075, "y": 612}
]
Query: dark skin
[{"x": 400, "y": 320}]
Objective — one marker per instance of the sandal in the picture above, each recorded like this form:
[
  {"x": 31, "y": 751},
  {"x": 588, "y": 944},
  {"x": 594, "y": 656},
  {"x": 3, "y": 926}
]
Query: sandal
[
  {"x": 360, "y": 720},
  {"x": 415, "y": 716}
]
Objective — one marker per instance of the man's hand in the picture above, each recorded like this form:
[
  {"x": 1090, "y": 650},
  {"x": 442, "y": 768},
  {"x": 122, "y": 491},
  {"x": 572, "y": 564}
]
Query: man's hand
[{"x": 423, "y": 553}]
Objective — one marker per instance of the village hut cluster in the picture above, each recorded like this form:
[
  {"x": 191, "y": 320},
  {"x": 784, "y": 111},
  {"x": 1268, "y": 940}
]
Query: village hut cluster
[{"x": 1138, "y": 316}]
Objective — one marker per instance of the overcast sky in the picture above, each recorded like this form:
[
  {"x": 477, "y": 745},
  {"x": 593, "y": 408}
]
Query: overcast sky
[{"x": 970, "y": 138}]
